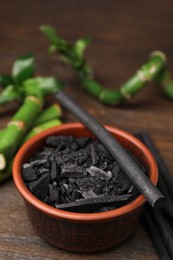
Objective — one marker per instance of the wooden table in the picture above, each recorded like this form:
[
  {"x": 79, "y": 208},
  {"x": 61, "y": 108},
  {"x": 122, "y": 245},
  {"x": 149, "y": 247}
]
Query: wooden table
[{"x": 123, "y": 33}]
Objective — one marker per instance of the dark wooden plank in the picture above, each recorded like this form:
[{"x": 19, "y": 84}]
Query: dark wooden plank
[{"x": 123, "y": 35}]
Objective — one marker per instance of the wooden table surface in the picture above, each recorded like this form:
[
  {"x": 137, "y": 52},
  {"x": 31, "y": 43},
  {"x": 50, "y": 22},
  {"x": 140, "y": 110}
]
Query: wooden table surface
[{"x": 123, "y": 33}]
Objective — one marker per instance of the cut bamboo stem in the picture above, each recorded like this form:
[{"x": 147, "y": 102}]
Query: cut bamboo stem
[
  {"x": 48, "y": 114},
  {"x": 5, "y": 174},
  {"x": 17, "y": 127},
  {"x": 140, "y": 180},
  {"x": 114, "y": 97},
  {"x": 165, "y": 81},
  {"x": 73, "y": 55},
  {"x": 40, "y": 128}
]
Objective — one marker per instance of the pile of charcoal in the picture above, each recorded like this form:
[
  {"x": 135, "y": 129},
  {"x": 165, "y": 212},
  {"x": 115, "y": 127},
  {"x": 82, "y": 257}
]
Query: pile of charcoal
[{"x": 79, "y": 175}]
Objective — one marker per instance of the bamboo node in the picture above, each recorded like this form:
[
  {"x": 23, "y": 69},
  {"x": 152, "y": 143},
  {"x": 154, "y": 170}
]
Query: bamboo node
[
  {"x": 19, "y": 124},
  {"x": 37, "y": 130},
  {"x": 141, "y": 76},
  {"x": 160, "y": 54},
  {"x": 124, "y": 94},
  {"x": 2, "y": 162},
  {"x": 58, "y": 107},
  {"x": 34, "y": 99}
]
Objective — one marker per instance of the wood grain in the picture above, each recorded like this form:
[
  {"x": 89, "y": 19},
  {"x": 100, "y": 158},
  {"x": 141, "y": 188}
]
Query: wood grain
[{"x": 123, "y": 33}]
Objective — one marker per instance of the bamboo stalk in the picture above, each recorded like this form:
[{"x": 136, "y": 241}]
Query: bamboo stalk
[
  {"x": 5, "y": 174},
  {"x": 40, "y": 128},
  {"x": 165, "y": 81},
  {"x": 50, "y": 113},
  {"x": 17, "y": 127},
  {"x": 73, "y": 55},
  {"x": 2, "y": 132}
]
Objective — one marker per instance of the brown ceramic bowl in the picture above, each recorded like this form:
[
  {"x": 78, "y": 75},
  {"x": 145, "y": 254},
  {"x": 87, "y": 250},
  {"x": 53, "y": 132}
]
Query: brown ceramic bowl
[{"x": 82, "y": 232}]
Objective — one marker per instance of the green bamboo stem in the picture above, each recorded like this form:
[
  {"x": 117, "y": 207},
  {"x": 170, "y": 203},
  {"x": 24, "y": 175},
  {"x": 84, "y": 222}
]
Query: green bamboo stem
[
  {"x": 73, "y": 54},
  {"x": 165, "y": 81},
  {"x": 17, "y": 127},
  {"x": 146, "y": 73},
  {"x": 48, "y": 114},
  {"x": 1, "y": 133},
  {"x": 5, "y": 174},
  {"x": 41, "y": 128}
]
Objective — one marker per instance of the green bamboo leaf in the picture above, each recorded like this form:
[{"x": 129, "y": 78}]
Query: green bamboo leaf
[
  {"x": 23, "y": 68},
  {"x": 45, "y": 85},
  {"x": 5, "y": 80},
  {"x": 52, "y": 48},
  {"x": 9, "y": 94},
  {"x": 81, "y": 45},
  {"x": 52, "y": 35}
]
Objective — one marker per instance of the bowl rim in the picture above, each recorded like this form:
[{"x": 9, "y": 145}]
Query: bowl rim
[{"x": 72, "y": 216}]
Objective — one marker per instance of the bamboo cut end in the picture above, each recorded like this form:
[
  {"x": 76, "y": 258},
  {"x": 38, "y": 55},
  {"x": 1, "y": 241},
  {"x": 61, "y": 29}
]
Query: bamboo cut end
[
  {"x": 160, "y": 54},
  {"x": 2, "y": 162}
]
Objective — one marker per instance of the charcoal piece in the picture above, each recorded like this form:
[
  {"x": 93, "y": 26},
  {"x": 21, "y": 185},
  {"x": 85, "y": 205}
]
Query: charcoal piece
[
  {"x": 104, "y": 166},
  {"x": 46, "y": 152},
  {"x": 65, "y": 186},
  {"x": 74, "y": 146},
  {"x": 47, "y": 200},
  {"x": 76, "y": 194},
  {"x": 95, "y": 203},
  {"x": 61, "y": 200},
  {"x": 88, "y": 163},
  {"x": 95, "y": 171},
  {"x": 80, "y": 156},
  {"x": 63, "y": 181},
  {"x": 63, "y": 190},
  {"x": 133, "y": 191},
  {"x": 60, "y": 142},
  {"x": 71, "y": 180},
  {"x": 69, "y": 189},
  {"x": 90, "y": 183},
  {"x": 72, "y": 170},
  {"x": 53, "y": 193},
  {"x": 42, "y": 170},
  {"x": 38, "y": 162},
  {"x": 107, "y": 208},
  {"x": 55, "y": 171},
  {"x": 28, "y": 173},
  {"x": 103, "y": 152},
  {"x": 40, "y": 187},
  {"x": 124, "y": 183},
  {"x": 89, "y": 194},
  {"x": 67, "y": 199},
  {"x": 116, "y": 170},
  {"x": 94, "y": 156},
  {"x": 83, "y": 141},
  {"x": 26, "y": 165}
]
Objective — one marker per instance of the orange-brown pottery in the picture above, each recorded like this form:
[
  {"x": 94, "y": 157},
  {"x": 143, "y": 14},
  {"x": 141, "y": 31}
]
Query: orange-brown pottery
[{"x": 82, "y": 232}]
